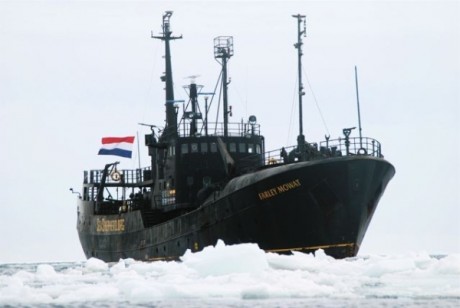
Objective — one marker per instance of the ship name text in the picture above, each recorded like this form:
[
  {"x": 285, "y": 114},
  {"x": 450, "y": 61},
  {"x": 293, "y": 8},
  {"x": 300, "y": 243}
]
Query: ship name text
[
  {"x": 272, "y": 192},
  {"x": 112, "y": 225}
]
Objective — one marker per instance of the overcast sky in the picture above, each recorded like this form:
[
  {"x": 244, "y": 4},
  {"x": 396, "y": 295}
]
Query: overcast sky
[{"x": 72, "y": 72}]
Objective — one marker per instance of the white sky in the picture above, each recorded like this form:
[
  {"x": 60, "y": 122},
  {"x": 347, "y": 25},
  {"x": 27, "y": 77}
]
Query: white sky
[{"x": 72, "y": 72}]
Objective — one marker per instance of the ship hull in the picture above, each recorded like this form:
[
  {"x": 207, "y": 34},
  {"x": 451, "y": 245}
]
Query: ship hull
[{"x": 325, "y": 204}]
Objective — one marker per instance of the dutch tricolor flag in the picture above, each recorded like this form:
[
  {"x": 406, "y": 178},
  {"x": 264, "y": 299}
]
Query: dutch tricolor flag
[{"x": 119, "y": 146}]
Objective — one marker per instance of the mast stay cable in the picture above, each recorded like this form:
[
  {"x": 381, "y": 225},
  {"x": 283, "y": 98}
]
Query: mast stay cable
[{"x": 316, "y": 102}]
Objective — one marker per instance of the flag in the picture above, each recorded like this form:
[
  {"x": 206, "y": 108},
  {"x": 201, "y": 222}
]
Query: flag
[{"x": 119, "y": 146}]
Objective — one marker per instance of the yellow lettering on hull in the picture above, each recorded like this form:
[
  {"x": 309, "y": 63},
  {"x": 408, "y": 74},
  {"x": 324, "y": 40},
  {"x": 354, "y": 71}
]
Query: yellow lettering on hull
[
  {"x": 113, "y": 225},
  {"x": 272, "y": 192}
]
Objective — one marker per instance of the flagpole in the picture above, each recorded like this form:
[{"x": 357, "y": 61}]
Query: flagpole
[{"x": 138, "y": 150}]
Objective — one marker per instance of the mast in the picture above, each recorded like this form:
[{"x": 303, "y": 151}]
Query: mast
[
  {"x": 193, "y": 115},
  {"x": 171, "y": 116},
  {"x": 300, "y": 20},
  {"x": 206, "y": 110},
  {"x": 193, "y": 97},
  {"x": 223, "y": 49}
]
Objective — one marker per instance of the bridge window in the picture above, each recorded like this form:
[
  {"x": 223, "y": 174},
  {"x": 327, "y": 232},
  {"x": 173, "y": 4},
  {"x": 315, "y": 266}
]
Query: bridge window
[
  {"x": 258, "y": 149},
  {"x": 232, "y": 147},
  {"x": 213, "y": 147},
  {"x": 204, "y": 147},
  {"x": 194, "y": 147},
  {"x": 250, "y": 148},
  {"x": 184, "y": 148},
  {"x": 242, "y": 147}
]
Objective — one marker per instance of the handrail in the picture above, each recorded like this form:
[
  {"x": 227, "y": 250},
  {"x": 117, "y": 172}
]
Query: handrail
[
  {"x": 274, "y": 157},
  {"x": 351, "y": 146},
  {"x": 130, "y": 176},
  {"x": 331, "y": 148},
  {"x": 235, "y": 129}
]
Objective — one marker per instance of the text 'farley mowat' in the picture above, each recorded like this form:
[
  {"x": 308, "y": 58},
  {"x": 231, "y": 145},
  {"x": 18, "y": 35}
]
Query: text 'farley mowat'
[{"x": 279, "y": 189}]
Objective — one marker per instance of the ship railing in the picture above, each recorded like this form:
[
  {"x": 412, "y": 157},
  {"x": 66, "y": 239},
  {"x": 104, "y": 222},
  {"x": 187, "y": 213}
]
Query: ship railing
[
  {"x": 330, "y": 148},
  {"x": 326, "y": 149},
  {"x": 351, "y": 146},
  {"x": 129, "y": 176},
  {"x": 273, "y": 157},
  {"x": 235, "y": 129},
  {"x": 277, "y": 156}
]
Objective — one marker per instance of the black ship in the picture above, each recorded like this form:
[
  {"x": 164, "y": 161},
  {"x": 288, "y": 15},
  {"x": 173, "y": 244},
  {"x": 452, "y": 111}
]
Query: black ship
[{"x": 210, "y": 181}]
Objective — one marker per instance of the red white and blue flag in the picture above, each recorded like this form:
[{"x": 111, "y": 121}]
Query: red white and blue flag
[{"x": 119, "y": 146}]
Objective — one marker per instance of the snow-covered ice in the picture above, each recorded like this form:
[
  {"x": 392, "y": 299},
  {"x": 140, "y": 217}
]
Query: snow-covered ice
[{"x": 239, "y": 275}]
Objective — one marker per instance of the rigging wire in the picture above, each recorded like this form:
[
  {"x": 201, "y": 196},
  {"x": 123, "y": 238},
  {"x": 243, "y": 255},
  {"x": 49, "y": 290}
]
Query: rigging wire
[
  {"x": 217, "y": 83},
  {"x": 218, "y": 108},
  {"x": 240, "y": 97},
  {"x": 316, "y": 102},
  {"x": 218, "y": 100},
  {"x": 210, "y": 103},
  {"x": 148, "y": 96},
  {"x": 292, "y": 110},
  {"x": 188, "y": 103}
]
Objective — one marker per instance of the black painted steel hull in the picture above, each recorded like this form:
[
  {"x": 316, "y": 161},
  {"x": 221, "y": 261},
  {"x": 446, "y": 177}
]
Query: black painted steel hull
[{"x": 304, "y": 206}]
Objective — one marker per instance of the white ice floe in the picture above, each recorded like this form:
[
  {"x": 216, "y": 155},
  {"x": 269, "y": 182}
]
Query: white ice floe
[{"x": 242, "y": 273}]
